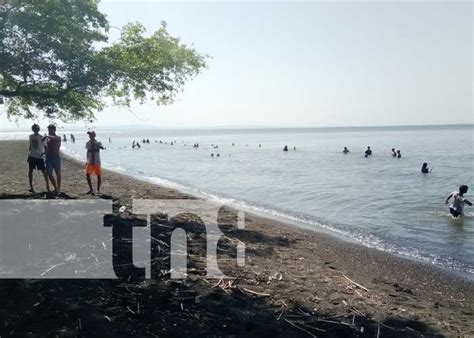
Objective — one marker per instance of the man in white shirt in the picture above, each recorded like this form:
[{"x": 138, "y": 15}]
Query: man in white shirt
[
  {"x": 457, "y": 207},
  {"x": 36, "y": 156},
  {"x": 93, "y": 161}
]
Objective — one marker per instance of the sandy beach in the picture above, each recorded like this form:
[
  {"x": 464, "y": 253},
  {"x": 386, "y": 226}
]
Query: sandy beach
[{"x": 295, "y": 282}]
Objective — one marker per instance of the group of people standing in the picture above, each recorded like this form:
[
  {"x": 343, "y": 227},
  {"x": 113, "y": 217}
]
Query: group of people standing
[
  {"x": 368, "y": 152},
  {"x": 44, "y": 155}
]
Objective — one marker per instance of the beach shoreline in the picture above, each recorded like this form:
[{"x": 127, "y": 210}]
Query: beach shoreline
[
  {"x": 280, "y": 218},
  {"x": 321, "y": 275}
]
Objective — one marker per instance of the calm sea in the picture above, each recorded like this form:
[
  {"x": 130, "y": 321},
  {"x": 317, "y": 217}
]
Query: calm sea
[{"x": 380, "y": 202}]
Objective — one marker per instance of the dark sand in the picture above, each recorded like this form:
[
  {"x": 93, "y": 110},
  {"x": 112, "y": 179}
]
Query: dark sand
[{"x": 395, "y": 296}]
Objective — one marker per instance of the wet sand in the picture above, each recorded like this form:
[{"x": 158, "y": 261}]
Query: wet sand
[{"x": 294, "y": 282}]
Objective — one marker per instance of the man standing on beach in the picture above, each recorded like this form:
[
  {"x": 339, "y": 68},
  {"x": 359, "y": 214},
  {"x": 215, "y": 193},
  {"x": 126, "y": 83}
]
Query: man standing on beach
[
  {"x": 36, "y": 156},
  {"x": 93, "y": 161},
  {"x": 53, "y": 160}
]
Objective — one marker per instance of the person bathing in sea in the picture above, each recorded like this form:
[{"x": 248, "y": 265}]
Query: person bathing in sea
[
  {"x": 399, "y": 154},
  {"x": 425, "y": 169},
  {"x": 368, "y": 152},
  {"x": 394, "y": 153},
  {"x": 93, "y": 161},
  {"x": 53, "y": 160},
  {"x": 457, "y": 207},
  {"x": 345, "y": 151},
  {"x": 36, "y": 156},
  {"x": 285, "y": 148}
]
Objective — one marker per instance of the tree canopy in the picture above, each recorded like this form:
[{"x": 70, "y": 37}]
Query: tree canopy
[{"x": 56, "y": 61}]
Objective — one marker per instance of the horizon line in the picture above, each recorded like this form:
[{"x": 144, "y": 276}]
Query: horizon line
[{"x": 242, "y": 127}]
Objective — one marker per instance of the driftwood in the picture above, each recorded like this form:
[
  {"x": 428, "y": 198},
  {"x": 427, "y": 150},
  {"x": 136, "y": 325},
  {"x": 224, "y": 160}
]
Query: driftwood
[
  {"x": 256, "y": 293},
  {"x": 356, "y": 284},
  {"x": 299, "y": 327}
]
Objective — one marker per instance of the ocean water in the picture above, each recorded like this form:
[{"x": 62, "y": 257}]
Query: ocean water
[{"x": 381, "y": 202}]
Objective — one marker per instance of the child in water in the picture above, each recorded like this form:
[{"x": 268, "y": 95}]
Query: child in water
[{"x": 457, "y": 207}]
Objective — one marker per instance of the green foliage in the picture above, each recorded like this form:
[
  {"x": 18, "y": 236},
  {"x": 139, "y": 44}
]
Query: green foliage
[{"x": 55, "y": 60}]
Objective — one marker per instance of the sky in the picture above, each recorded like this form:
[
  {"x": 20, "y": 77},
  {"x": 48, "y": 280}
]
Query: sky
[{"x": 310, "y": 64}]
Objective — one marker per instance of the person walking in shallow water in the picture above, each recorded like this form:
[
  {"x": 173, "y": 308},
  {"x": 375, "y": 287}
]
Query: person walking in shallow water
[
  {"x": 345, "y": 151},
  {"x": 93, "y": 161},
  {"x": 456, "y": 208},
  {"x": 36, "y": 156}
]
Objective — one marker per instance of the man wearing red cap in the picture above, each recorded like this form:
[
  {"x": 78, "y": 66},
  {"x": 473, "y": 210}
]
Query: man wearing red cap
[{"x": 93, "y": 161}]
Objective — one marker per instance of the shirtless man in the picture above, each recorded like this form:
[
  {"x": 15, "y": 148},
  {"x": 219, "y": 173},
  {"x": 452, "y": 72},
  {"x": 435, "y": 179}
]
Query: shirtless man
[
  {"x": 93, "y": 161},
  {"x": 53, "y": 160}
]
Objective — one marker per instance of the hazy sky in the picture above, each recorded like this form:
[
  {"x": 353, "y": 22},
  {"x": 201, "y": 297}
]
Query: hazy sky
[{"x": 312, "y": 63}]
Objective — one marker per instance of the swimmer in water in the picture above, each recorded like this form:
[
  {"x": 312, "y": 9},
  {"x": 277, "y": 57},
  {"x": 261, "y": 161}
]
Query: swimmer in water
[
  {"x": 345, "y": 151},
  {"x": 394, "y": 153},
  {"x": 457, "y": 207},
  {"x": 368, "y": 152},
  {"x": 424, "y": 168},
  {"x": 285, "y": 148},
  {"x": 399, "y": 154}
]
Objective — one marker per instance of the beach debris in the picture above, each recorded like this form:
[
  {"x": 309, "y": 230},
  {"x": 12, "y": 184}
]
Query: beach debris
[
  {"x": 302, "y": 329},
  {"x": 122, "y": 208},
  {"x": 278, "y": 276},
  {"x": 226, "y": 286},
  {"x": 256, "y": 293},
  {"x": 218, "y": 283},
  {"x": 356, "y": 284}
]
